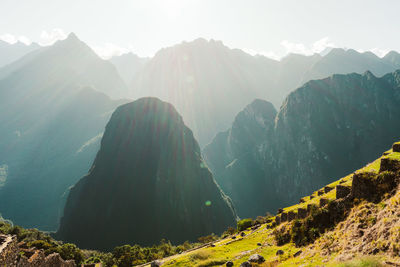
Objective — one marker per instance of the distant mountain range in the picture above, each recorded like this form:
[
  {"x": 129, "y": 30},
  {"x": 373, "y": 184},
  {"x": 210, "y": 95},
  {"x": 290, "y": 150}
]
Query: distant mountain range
[
  {"x": 128, "y": 65},
  {"x": 52, "y": 116},
  {"x": 12, "y": 52},
  {"x": 55, "y": 102},
  {"x": 323, "y": 130},
  {"x": 148, "y": 182},
  {"x": 209, "y": 83}
]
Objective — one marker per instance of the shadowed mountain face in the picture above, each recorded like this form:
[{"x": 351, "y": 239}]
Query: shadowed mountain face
[
  {"x": 209, "y": 83},
  {"x": 12, "y": 52},
  {"x": 323, "y": 130},
  {"x": 148, "y": 182},
  {"x": 51, "y": 124}
]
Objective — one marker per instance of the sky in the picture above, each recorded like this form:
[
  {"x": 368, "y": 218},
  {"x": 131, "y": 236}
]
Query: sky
[{"x": 269, "y": 27}]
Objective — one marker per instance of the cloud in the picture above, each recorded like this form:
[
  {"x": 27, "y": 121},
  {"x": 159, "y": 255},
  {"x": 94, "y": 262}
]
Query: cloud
[
  {"x": 12, "y": 39},
  {"x": 300, "y": 48},
  {"x": 50, "y": 37},
  {"x": 109, "y": 50}
]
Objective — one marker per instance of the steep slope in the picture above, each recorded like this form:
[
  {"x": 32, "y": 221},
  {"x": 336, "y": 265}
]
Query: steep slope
[
  {"x": 50, "y": 127},
  {"x": 196, "y": 77},
  {"x": 353, "y": 218},
  {"x": 148, "y": 182},
  {"x": 128, "y": 65},
  {"x": 393, "y": 58},
  {"x": 12, "y": 52},
  {"x": 324, "y": 129},
  {"x": 70, "y": 58},
  {"x": 234, "y": 160}
]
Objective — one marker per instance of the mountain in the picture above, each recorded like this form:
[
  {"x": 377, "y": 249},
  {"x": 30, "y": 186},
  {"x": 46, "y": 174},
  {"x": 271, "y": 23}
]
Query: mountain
[
  {"x": 392, "y": 58},
  {"x": 353, "y": 221},
  {"x": 128, "y": 65},
  {"x": 198, "y": 76},
  {"x": 148, "y": 182},
  {"x": 51, "y": 123},
  {"x": 324, "y": 129},
  {"x": 70, "y": 58},
  {"x": 12, "y": 52},
  {"x": 341, "y": 61}
]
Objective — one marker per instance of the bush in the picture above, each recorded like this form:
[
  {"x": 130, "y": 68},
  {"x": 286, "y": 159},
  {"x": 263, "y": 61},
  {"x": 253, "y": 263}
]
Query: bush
[
  {"x": 208, "y": 239},
  {"x": 282, "y": 236},
  {"x": 70, "y": 252},
  {"x": 244, "y": 224}
]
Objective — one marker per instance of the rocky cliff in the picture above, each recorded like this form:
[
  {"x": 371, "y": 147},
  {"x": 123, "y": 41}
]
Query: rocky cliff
[
  {"x": 323, "y": 130},
  {"x": 148, "y": 182}
]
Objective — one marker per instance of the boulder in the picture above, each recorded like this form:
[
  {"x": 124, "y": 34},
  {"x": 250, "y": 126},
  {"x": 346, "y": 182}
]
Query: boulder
[
  {"x": 320, "y": 193},
  {"x": 280, "y": 211},
  {"x": 311, "y": 197},
  {"x": 342, "y": 191},
  {"x": 297, "y": 253},
  {"x": 279, "y": 252},
  {"x": 278, "y": 220},
  {"x": 156, "y": 264},
  {"x": 245, "y": 264},
  {"x": 229, "y": 264},
  {"x": 302, "y": 200},
  {"x": 242, "y": 234},
  {"x": 256, "y": 258}
]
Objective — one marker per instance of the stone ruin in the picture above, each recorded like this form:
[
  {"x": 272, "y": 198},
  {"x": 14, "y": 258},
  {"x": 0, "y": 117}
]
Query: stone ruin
[{"x": 10, "y": 255}]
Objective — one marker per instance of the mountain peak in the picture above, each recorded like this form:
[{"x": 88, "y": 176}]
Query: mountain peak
[{"x": 72, "y": 36}]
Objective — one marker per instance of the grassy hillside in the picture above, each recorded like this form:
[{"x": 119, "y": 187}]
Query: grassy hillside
[
  {"x": 357, "y": 226},
  {"x": 351, "y": 222}
]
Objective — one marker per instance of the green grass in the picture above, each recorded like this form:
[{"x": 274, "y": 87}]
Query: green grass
[
  {"x": 362, "y": 262},
  {"x": 238, "y": 250}
]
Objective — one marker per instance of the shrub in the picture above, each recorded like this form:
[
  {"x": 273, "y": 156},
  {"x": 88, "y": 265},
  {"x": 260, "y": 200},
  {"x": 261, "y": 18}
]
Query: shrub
[
  {"x": 208, "y": 238},
  {"x": 244, "y": 224},
  {"x": 70, "y": 252}
]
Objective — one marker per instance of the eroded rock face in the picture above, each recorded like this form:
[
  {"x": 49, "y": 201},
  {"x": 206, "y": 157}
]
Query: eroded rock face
[
  {"x": 147, "y": 182},
  {"x": 323, "y": 130}
]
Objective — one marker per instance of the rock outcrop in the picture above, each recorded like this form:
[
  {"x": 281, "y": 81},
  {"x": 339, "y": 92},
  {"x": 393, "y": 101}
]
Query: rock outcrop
[
  {"x": 12, "y": 256},
  {"x": 323, "y": 130},
  {"x": 148, "y": 182}
]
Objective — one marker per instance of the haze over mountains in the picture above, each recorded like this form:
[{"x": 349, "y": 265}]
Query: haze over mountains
[
  {"x": 52, "y": 116},
  {"x": 323, "y": 130},
  {"x": 148, "y": 182},
  {"x": 12, "y": 52},
  {"x": 55, "y": 102},
  {"x": 196, "y": 77}
]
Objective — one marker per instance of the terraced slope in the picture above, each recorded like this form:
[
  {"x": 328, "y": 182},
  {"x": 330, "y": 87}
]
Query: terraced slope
[{"x": 355, "y": 217}]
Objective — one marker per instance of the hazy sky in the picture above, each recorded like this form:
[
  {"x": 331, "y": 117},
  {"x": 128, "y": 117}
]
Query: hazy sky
[{"x": 271, "y": 28}]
